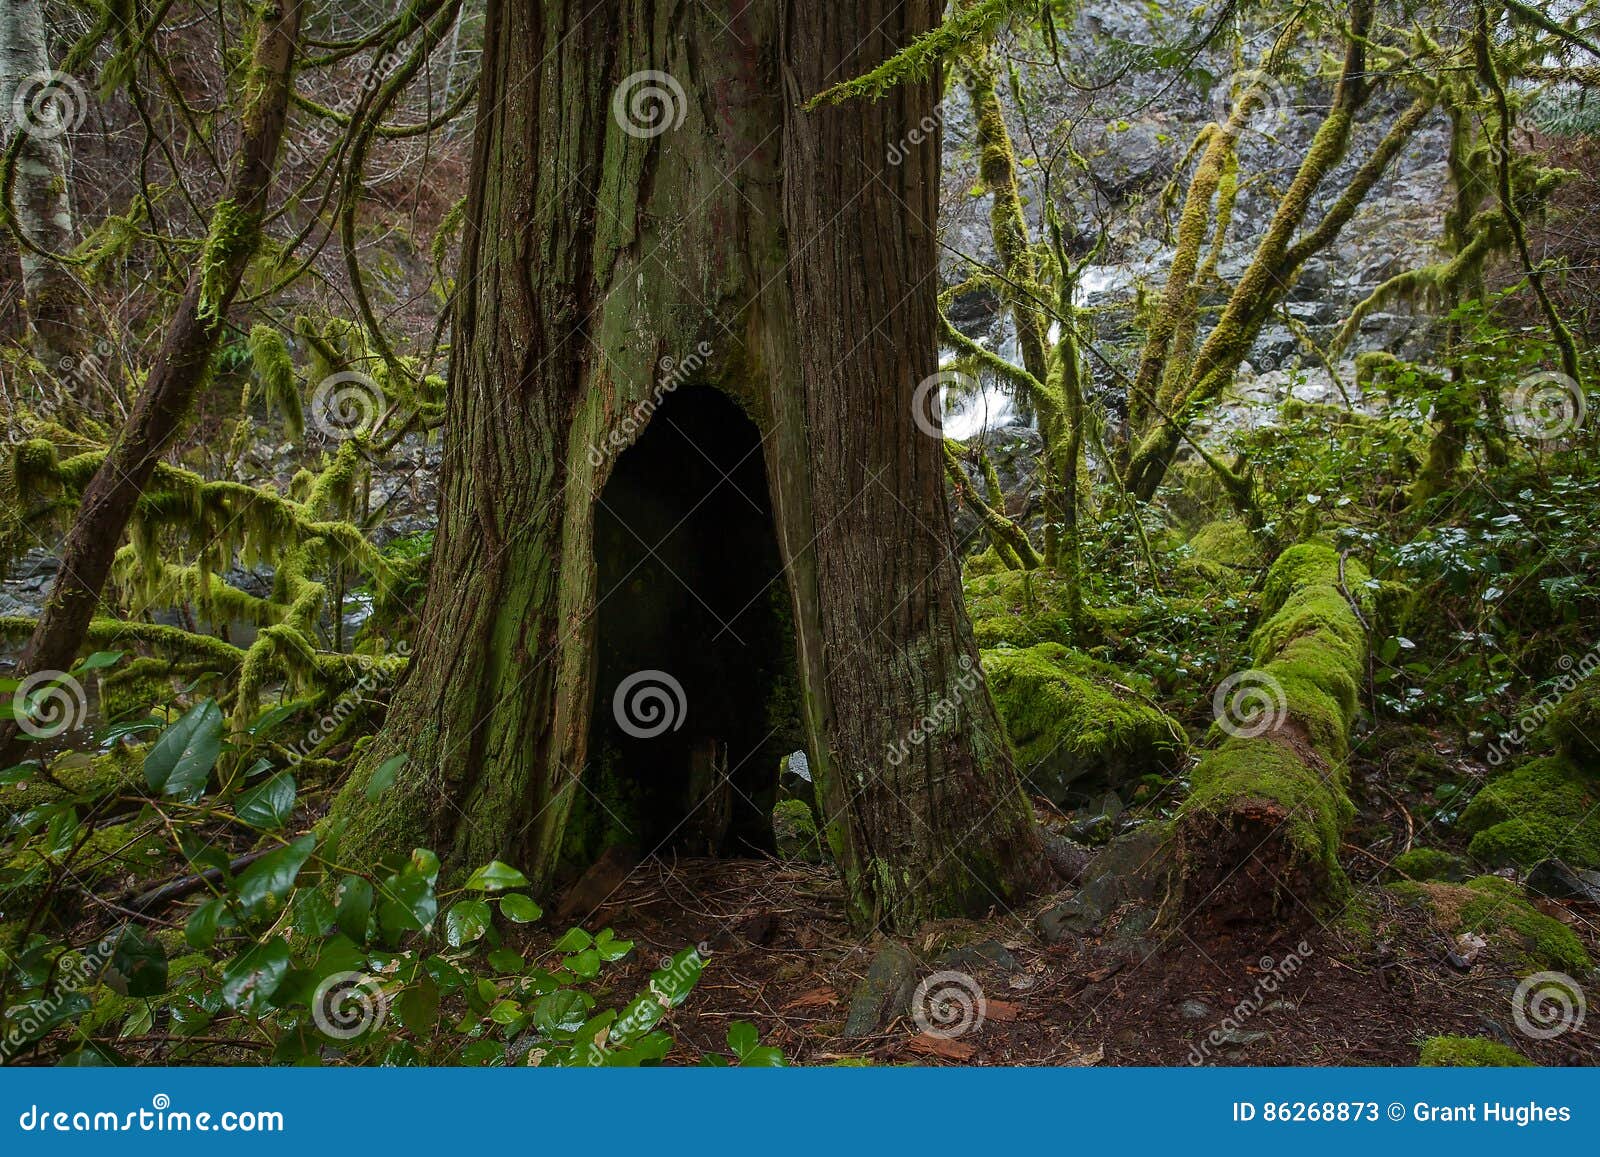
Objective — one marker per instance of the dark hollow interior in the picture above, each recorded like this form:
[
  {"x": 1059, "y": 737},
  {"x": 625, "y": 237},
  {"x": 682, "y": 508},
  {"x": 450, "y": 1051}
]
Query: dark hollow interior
[{"x": 690, "y": 584}]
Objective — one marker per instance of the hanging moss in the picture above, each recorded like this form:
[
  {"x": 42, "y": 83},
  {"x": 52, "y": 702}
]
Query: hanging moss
[
  {"x": 1544, "y": 807},
  {"x": 274, "y": 370},
  {"x": 1071, "y": 719}
]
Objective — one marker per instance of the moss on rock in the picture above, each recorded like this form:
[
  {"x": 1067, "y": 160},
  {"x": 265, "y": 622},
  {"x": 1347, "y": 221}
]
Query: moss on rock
[
  {"x": 1071, "y": 718},
  {"x": 1575, "y": 723},
  {"x": 1018, "y": 608},
  {"x": 1470, "y": 1052},
  {"x": 1545, "y": 807},
  {"x": 1224, "y": 552},
  {"x": 794, "y": 832},
  {"x": 1496, "y": 909},
  {"x": 1429, "y": 864}
]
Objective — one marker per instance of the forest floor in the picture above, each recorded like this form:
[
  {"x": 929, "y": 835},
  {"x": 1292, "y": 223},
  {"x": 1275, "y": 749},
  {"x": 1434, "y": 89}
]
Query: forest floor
[{"x": 782, "y": 956}]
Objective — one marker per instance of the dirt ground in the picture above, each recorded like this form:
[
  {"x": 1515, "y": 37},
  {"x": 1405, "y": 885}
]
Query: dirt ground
[{"x": 781, "y": 955}]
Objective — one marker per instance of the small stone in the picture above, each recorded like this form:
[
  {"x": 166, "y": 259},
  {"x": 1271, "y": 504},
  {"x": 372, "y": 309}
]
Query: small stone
[{"x": 1194, "y": 1010}]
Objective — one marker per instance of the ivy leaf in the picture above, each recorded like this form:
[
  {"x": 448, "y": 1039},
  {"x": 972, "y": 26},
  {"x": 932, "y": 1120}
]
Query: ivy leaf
[
  {"x": 562, "y": 1011},
  {"x": 251, "y": 978},
  {"x": 274, "y": 873},
  {"x": 673, "y": 983},
  {"x": 180, "y": 761},
  {"x": 519, "y": 908},
  {"x": 98, "y": 660},
  {"x": 269, "y": 804},
  {"x": 574, "y": 940},
  {"x": 465, "y": 922},
  {"x": 354, "y": 907},
  {"x": 200, "y": 930},
  {"x": 408, "y": 904},
  {"x": 609, "y": 947},
  {"x": 495, "y": 877}
]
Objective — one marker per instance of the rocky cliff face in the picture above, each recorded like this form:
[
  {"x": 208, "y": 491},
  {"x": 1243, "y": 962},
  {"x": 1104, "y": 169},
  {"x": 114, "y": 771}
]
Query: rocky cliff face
[{"x": 1131, "y": 129}]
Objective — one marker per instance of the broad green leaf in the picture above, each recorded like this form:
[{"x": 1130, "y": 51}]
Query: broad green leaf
[
  {"x": 466, "y": 921},
  {"x": 273, "y": 874},
  {"x": 639, "y": 1017},
  {"x": 507, "y": 960},
  {"x": 180, "y": 761},
  {"x": 354, "y": 907},
  {"x": 575, "y": 940},
  {"x": 674, "y": 982},
  {"x": 200, "y": 930},
  {"x": 250, "y": 979},
  {"x": 609, "y": 947},
  {"x": 561, "y": 1012},
  {"x": 418, "y": 1006},
  {"x": 269, "y": 804},
  {"x": 495, "y": 877},
  {"x": 98, "y": 660},
  {"x": 517, "y": 907},
  {"x": 406, "y": 904}
]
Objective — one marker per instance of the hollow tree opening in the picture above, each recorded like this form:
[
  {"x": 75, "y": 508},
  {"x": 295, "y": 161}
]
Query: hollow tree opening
[{"x": 694, "y": 691}]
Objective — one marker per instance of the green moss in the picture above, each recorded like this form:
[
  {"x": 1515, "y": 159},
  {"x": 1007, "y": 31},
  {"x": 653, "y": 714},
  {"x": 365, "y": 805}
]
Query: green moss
[
  {"x": 1314, "y": 806},
  {"x": 1429, "y": 864},
  {"x": 1224, "y": 552},
  {"x": 1575, "y": 723},
  {"x": 1069, "y": 718},
  {"x": 1496, "y": 909},
  {"x": 1018, "y": 608},
  {"x": 983, "y": 563},
  {"x": 1470, "y": 1052},
  {"x": 794, "y": 829},
  {"x": 1544, "y": 807}
]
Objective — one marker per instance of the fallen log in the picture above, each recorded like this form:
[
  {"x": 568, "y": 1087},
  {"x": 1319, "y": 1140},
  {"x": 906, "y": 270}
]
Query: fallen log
[{"x": 1260, "y": 831}]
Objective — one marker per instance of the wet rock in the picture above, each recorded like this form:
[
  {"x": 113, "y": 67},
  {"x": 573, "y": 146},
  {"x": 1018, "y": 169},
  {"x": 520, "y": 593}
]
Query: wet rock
[
  {"x": 885, "y": 992},
  {"x": 794, "y": 832},
  {"x": 1557, "y": 880},
  {"x": 985, "y": 954},
  {"x": 1195, "y": 1010}
]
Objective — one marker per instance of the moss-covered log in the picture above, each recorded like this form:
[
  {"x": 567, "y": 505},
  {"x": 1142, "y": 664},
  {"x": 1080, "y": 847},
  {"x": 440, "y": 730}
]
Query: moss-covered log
[{"x": 1261, "y": 829}]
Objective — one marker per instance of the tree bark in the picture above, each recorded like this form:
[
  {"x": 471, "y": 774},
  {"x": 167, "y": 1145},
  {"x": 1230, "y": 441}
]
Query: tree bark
[
  {"x": 41, "y": 203},
  {"x": 181, "y": 365},
  {"x": 782, "y": 241}
]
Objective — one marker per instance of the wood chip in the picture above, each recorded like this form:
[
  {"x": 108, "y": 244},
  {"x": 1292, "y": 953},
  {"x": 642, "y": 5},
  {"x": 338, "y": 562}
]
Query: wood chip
[
  {"x": 816, "y": 998},
  {"x": 929, "y": 1045}
]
